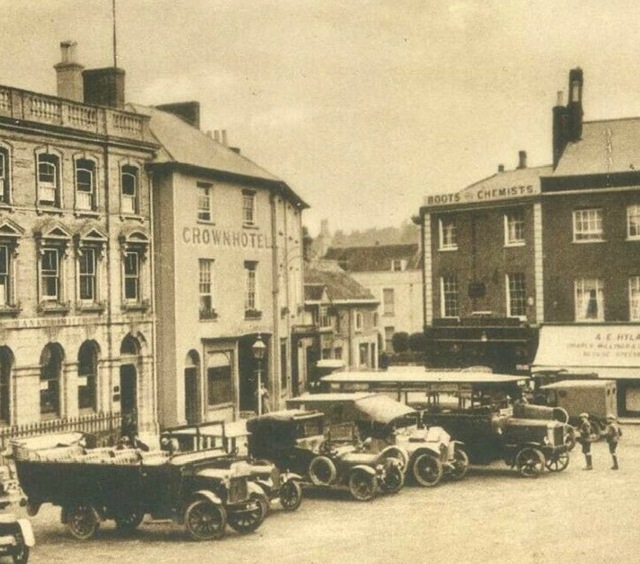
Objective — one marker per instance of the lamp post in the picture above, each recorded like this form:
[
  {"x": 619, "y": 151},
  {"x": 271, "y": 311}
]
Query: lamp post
[{"x": 259, "y": 349}]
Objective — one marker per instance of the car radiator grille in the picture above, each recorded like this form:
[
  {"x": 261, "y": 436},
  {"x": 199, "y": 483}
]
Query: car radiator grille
[{"x": 238, "y": 490}]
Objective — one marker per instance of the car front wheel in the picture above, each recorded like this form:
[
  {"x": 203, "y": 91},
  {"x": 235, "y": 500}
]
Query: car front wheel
[
  {"x": 530, "y": 462},
  {"x": 362, "y": 485},
  {"x": 460, "y": 464},
  {"x": 21, "y": 551},
  {"x": 427, "y": 470},
  {"x": 291, "y": 495},
  {"x": 248, "y": 520},
  {"x": 205, "y": 520},
  {"x": 393, "y": 479}
]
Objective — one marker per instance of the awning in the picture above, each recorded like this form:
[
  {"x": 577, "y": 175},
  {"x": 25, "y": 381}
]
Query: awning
[{"x": 611, "y": 351}]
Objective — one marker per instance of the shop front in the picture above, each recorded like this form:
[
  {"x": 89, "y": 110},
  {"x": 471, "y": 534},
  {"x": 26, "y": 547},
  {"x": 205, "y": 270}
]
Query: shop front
[{"x": 610, "y": 351}]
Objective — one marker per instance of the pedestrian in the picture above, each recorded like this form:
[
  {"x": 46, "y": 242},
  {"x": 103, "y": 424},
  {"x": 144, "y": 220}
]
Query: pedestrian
[
  {"x": 586, "y": 431},
  {"x": 613, "y": 434}
]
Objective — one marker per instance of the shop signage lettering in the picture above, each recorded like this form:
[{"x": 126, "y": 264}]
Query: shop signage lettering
[
  {"x": 40, "y": 322},
  {"x": 608, "y": 345},
  {"x": 225, "y": 238},
  {"x": 481, "y": 194}
]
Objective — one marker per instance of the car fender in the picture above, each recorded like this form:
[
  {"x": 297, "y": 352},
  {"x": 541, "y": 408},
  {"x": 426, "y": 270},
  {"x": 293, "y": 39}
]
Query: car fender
[
  {"x": 287, "y": 476},
  {"x": 213, "y": 498},
  {"x": 257, "y": 488},
  {"x": 457, "y": 444},
  {"x": 404, "y": 454},
  {"x": 426, "y": 449},
  {"x": 27, "y": 532},
  {"x": 363, "y": 467}
]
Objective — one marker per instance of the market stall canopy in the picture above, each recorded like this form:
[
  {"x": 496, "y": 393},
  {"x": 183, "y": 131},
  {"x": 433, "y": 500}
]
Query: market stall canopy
[{"x": 611, "y": 351}]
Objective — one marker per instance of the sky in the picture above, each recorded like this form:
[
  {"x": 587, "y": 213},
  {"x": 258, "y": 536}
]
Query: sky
[{"x": 362, "y": 106}]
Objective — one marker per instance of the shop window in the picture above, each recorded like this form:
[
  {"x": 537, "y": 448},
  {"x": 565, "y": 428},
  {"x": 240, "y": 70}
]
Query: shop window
[
  {"x": 587, "y": 225},
  {"x": 87, "y": 376},
  {"x": 248, "y": 207},
  {"x": 449, "y": 296},
  {"x": 50, "y": 375},
  {"x": 448, "y": 234},
  {"x": 129, "y": 188},
  {"x": 634, "y": 298},
  {"x": 516, "y": 295},
  {"x": 206, "y": 289},
  {"x": 388, "y": 301},
  {"x": 85, "y": 184},
  {"x": 219, "y": 379},
  {"x": 514, "y": 228},
  {"x": 205, "y": 212},
  {"x": 589, "y": 300},
  {"x": 633, "y": 221},
  {"x": 398, "y": 265},
  {"x": 48, "y": 180}
]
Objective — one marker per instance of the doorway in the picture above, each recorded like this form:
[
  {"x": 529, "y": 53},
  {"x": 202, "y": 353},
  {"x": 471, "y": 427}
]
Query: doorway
[{"x": 128, "y": 399}]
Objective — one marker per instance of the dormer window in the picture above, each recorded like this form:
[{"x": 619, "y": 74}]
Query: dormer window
[
  {"x": 129, "y": 187},
  {"x": 398, "y": 265},
  {"x": 48, "y": 180}
]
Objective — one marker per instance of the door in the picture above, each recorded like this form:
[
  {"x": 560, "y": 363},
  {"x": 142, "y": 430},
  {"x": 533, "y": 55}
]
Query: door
[
  {"x": 191, "y": 396},
  {"x": 128, "y": 399}
]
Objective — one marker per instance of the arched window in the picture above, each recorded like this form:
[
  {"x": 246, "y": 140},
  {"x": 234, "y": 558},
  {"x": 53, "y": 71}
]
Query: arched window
[
  {"x": 129, "y": 187},
  {"x": 87, "y": 376},
  {"x": 6, "y": 364},
  {"x": 85, "y": 184},
  {"x": 129, "y": 346},
  {"x": 49, "y": 180},
  {"x": 50, "y": 376}
]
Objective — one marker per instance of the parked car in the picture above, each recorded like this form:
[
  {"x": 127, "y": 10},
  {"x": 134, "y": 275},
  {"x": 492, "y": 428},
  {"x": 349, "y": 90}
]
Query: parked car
[
  {"x": 427, "y": 454},
  {"x": 16, "y": 535},
  {"x": 295, "y": 441},
  {"x": 93, "y": 485},
  {"x": 232, "y": 439}
]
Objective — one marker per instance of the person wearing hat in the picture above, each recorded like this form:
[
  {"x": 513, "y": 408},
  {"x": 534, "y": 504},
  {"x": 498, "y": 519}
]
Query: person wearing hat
[
  {"x": 613, "y": 433},
  {"x": 585, "y": 430}
]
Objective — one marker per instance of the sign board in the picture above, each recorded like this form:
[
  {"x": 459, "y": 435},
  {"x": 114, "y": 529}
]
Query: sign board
[{"x": 483, "y": 193}]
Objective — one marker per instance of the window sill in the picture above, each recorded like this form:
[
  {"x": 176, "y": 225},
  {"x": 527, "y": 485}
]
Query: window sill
[
  {"x": 447, "y": 249},
  {"x": 252, "y": 314},
  {"x": 131, "y": 217},
  {"x": 91, "y": 307},
  {"x": 142, "y": 306},
  {"x": 250, "y": 226},
  {"x": 516, "y": 244},
  {"x": 631, "y": 239},
  {"x": 9, "y": 310},
  {"x": 589, "y": 321},
  {"x": 86, "y": 213},
  {"x": 51, "y": 210},
  {"x": 205, "y": 221},
  {"x": 211, "y": 315},
  {"x": 54, "y": 308},
  {"x": 588, "y": 241},
  {"x": 6, "y": 206}
]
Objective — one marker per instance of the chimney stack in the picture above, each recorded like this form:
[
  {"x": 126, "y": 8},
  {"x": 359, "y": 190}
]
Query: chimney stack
[
  {"x": 69, "y": 73},
  {"x": 567, "y": 120},
  {"x": 104, "y": 87},
  {"x": 186, "y": 111},
  {"x": 522, "y": 159},
  {"x": 500, "y": 168}
]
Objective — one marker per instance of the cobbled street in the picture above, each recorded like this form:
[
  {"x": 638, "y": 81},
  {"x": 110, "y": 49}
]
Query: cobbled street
[{"x": 492, "y": 516}]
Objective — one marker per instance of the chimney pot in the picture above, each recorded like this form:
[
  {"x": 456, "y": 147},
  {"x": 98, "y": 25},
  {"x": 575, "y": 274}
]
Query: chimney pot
[
  {"x": 560, "y": 100},
  {"x": 500, "y": 168},
  {"x": 69, "y": 73},
  {"x": 522, "y": 159},
  {"x": 216, "y": 135},
  {"x": 224, "y": 137}
]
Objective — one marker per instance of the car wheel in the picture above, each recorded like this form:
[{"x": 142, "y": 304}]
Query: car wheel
[
  {"x": 127, "y": 522},
  {"x": 558, "y": 462},
  {"x": 322, "y": 471},
  {"x": 291, "y": 495},
  {"x": 82, "y": 521},
  {"x": 396, "y": 452},
  {"x": 427, "y": 470},
  {"x": 205, "y": 520},
  {"x": 460, "y": 464},
  {"x": 21, "y": 551},
  {"x": 393, "y": 479},
  {"x": 362, "y": 485},
  {"x": 248, "y": 520},
  {"x": 530, "y": 462}
]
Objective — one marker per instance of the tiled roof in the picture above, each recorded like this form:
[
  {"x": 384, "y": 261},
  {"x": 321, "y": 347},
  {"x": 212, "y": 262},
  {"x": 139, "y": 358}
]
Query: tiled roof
[
  {"x": 376, "y": 258},
  {"x": 528, "y": 176},
  {"x": 605, "y": 146},
  {"x": 340, "y": 286},
  {"x": 187, "y": 145}
]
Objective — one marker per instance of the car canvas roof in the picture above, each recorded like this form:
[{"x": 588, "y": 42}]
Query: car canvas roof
[
  {"x": 578, "y": 384},
  {"x": 330, "y": 396},
  {"x": 383, "y": 409}
]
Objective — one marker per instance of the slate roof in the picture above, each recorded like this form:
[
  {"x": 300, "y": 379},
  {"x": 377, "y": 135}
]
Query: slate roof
[
  {"x": 516, "y": 177},
  {"x": 606, "y": 146},
  {"x": 375, "y": 258},
  {"x": 184, "y": 144},
  {"x": 340, "y": 286}
]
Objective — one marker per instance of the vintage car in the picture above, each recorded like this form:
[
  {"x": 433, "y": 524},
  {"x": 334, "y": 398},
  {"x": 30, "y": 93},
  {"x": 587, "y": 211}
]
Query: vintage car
[
  {"x": 295, "y": 441},
  {"x": 232, "y": 439},
  {"x": 16, "y": 535},
  {"x": 427, "y": 454},
  {"x": 93, "y": 485},
  {"x": 475, "y": 408}
]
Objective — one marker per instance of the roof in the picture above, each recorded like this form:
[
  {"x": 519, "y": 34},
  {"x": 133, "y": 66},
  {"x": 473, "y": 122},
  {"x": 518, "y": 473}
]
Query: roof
[
  {"x": 284, "y": 415},
  {"x": 375, "y": 258},
  {"x": 605, "y": 146},
  {"x": 339, "y": 285},
  {"x": 314, "y": 292},
  {"x": 422, "y": 377},
  {"x": 528, "y": 176},
  {"x": 184, "y": 144},
  {"x": 578, "y": 384},
  {"x": 383, "y": 409}
]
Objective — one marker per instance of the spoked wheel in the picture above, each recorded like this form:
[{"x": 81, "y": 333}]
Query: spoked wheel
[
  {"x": 427, "y": 470},
  {"x": 82, "y": 521},
  {"x": 291, "y": 495},
  {"x": 460, "y": 464},
  {"x": 129, "y": 521},
  {"x": 558, "y": 462},
  {"x": 205, "y": 520},
  {"x": 396, "y": 452},
  {"x": 21, "y": 551},
  {"x": 362, "y": 485},
  {"x": 393, "y": 479},
  {"x": 248, "y": 520},
  {"x": 530, "y": 462}
]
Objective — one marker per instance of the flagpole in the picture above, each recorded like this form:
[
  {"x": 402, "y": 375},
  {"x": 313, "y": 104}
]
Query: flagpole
[{"x": 115, "y": 44}]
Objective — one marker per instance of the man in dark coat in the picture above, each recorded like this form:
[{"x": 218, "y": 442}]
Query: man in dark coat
[{"x": 585, "y": 430}]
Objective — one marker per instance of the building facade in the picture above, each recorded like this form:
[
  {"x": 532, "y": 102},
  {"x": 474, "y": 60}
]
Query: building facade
[
  {"x": 76, "y": 293},
  {"x": 228, "y": 271},
  {"x": 393, "y": 274}
]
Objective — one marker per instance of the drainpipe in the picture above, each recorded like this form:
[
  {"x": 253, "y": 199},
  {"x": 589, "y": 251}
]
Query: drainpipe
[
  {"x": 110, "y": 258},
  {"x": 154, "y": 372},
  {"x": 275, "y": 345}
]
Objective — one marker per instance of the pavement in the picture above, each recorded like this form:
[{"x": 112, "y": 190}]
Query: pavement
[{"x": 493, "y": 515}]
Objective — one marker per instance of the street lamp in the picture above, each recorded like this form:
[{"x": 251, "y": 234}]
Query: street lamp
[{"x": 259, "y": 349}]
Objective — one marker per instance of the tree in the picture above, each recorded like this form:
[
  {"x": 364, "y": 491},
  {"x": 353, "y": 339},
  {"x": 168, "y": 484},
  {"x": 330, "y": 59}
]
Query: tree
[
  {"x": 417, "y": 342},
  {"x": 400, "y": 342}
]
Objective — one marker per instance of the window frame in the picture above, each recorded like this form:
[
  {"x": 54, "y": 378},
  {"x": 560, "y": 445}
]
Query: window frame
[
  {"x": 5, "y": 295},
  {"x": 445, "y": 302},
  {"x": 514, "y": 224},
  {"x": 251, "y": 288},
  {"x": 55, "y": 161},
  {"x": 204, "y": 214},
  {"x": 130, "y": 171},
  {"x": 512, "y": 298},
  {"x": 84, "y": 164},
  {"x": 136, "y": 277},
  {"x": 388, "y": 305},
  {"x": 634, "y": 300},
  {"x": 93, "y": 277},
  {"x": 448, "y": 234},
  {"x": 90, "y": 388},
  {"x": 580, "y": 287},
  {"x": 206, "y": 288},
  {"x": 632, "y": 236},
  {"x": 5, "y": 176},
  {"x": 359, "y": 321},
  {"x": 46, "y": 274},
  {"x": 249, "y": 212},
  {"x": 588, "y": 235}
]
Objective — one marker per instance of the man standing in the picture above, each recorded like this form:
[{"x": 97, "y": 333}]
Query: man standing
[
  {"x": 613, "y": 434},
  {"x": 585, "y": 431}
]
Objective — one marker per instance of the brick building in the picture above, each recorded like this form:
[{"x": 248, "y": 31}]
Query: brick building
[{"x": 76, "y": 299}]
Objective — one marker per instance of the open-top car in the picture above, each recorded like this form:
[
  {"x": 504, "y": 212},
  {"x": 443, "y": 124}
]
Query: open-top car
[
  {"x": 427, "y": 454},
  {"x": 295, "y": 441},
  {"x": 93, "y": 485},
  {"x": 232, "y": 438}
]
